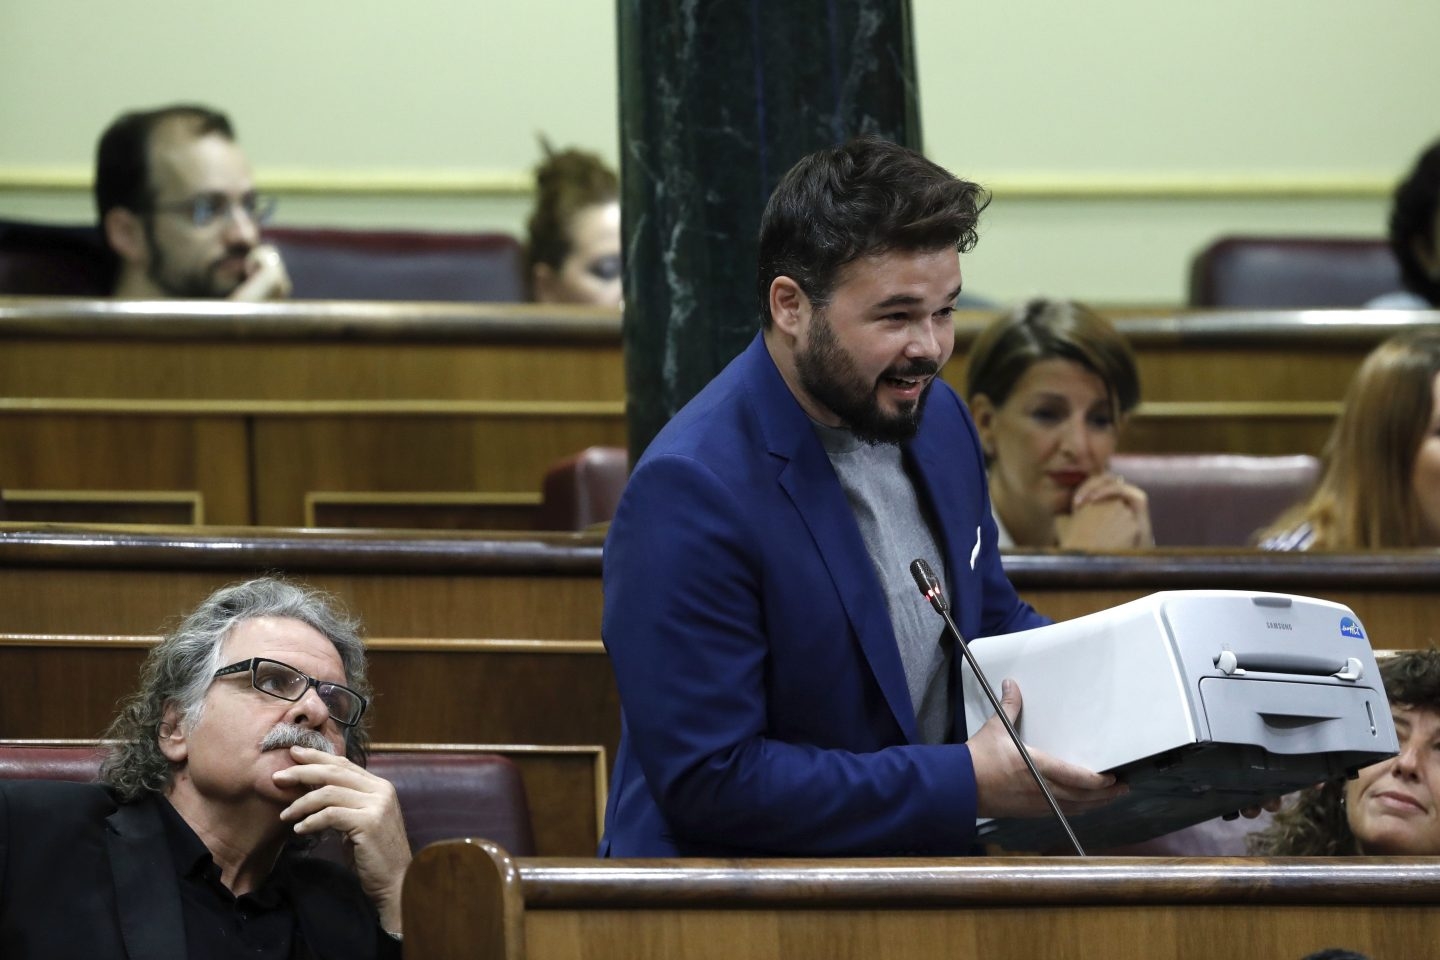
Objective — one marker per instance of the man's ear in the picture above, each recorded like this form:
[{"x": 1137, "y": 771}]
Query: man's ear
[
  {"x": 982, "y": 411},
  {"x": 171, "y": 736},
  {"x": 789, "y": 306},
  {"x": 125, "y": 233}
]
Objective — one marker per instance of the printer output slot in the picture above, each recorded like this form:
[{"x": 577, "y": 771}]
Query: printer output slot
[{"x": 1298, "y": 664}]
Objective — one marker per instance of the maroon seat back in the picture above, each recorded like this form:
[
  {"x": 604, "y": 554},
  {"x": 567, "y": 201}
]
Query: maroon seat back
[
  {"x": 1216, "y": 500},
  {"x": 444, "y": 793},
  {"x": 328, "y": 264},
  {"x": 583, "y": 489},
  {"x": 54, "y": 260},
  {"x": 1292, "y": 272}
]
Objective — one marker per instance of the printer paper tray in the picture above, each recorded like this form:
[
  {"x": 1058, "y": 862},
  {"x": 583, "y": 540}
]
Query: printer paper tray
[{"x": 1175, "y": 790}]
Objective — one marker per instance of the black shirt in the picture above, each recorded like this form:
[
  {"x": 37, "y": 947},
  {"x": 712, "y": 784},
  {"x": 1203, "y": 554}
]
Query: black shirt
[{"x": 258, "y": 925}]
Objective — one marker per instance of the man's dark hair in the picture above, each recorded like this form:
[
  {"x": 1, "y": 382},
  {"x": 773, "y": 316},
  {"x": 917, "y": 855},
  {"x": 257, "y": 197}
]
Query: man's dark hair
[
  {"x": 122, "y": 161},
  {"x": 865, "y": 198},
  {"x": 1412, "y": 217}
]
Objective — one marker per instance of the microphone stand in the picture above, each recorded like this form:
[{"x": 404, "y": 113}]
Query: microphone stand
[{"x": 929, "y": 585}]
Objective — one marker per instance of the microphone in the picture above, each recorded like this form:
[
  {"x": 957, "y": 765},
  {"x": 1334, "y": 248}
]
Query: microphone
[{"x": 929, "y": 585}]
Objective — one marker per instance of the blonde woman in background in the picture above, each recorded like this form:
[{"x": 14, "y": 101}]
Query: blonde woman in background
[{"x": 1380, "y": 484}]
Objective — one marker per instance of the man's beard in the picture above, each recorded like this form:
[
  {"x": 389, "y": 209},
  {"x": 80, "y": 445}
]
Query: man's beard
[
  {"x": 195, "y": 285},
  {"x": 829, "y": 374},
  {"x": 283, "y": 736}
]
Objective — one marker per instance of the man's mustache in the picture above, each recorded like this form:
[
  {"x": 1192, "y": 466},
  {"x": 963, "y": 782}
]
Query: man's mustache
[
  {"x": 913, "y": 369},
  {"x": 283, "y": 736}
]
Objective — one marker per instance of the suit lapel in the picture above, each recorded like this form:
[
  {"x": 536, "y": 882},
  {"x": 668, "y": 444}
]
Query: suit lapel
[
  {"x": 147, "y": 894},
  {"x": 809, "y": 480}
]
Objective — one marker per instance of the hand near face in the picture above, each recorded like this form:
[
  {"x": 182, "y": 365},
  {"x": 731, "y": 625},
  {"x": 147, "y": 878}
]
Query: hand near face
[
  {"x": 1003, "y": 785},
  {"x": 1107, "y": 514},
  {"x": 265, "y": 276},
  {"x": 364, "y": 809}
]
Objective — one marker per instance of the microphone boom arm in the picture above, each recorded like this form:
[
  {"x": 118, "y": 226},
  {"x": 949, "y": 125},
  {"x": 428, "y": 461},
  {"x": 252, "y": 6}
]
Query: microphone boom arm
[{"x": 929, "y": 585}]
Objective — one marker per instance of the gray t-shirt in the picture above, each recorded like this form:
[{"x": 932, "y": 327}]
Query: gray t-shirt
[{"x": 896, "y": 530}]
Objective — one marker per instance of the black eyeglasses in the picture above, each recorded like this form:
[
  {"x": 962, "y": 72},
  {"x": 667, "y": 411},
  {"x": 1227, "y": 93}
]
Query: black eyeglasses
[
  {"x": 203, "y": 209},
  {"x": 284, "y": 681}
]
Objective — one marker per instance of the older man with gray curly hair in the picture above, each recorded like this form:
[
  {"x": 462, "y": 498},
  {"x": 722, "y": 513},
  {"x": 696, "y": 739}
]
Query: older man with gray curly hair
[{"x": 245, "y": 739}]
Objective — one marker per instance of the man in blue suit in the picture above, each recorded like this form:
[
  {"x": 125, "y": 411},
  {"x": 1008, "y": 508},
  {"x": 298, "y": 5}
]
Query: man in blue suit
[{"x": 786, "y": 689}]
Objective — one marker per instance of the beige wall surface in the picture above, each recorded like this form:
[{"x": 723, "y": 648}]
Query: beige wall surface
[{"x": 1118, "y": 136}]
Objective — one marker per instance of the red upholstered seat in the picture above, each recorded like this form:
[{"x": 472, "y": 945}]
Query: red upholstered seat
[
  {"x": 583, "y": 489},
  {"x": 444, "y": 794},
  {"x": 328, "y": 264},
  {"x": 1216, "y": 500},
  {"x": 1292, "y": 272}
]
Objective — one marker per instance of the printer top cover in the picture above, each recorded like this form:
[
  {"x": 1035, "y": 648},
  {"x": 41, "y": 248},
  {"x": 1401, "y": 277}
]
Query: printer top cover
[{"x": 1203, "y": 701}]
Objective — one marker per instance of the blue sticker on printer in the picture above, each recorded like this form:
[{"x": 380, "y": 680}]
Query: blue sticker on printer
[{"x": 1349, "y": 628}]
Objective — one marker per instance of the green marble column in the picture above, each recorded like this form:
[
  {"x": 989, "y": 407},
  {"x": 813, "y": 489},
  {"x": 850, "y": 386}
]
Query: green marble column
[{"x": 718, "y": 98}]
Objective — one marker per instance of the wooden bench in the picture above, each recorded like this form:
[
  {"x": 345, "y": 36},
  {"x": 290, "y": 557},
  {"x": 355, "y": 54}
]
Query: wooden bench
[{"x": 471, "y": 900}]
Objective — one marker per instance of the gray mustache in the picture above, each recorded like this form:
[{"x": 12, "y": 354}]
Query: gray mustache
[{"x": 283, "y": 736}]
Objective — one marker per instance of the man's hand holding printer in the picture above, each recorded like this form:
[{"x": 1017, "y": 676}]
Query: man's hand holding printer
[{"x": 1003, "y": 785}]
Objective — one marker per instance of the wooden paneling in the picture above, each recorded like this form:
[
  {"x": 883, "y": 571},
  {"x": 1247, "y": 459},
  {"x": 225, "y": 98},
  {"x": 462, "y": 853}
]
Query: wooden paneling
[
  {"x": 426, "y": 691},
  {"x": 422, "y": 511},
  {"x": 1395, "y": 595},
  {"x": 547, "y": 586},
  {"x": 257, "y": 406},
  {"x": 440, "y": 451},
  {"x": 102, "y": 450},
  {"x": 162, "y": 507},
  {"x": 470, "y": 900},
  {"x": 89, "y": 581}
]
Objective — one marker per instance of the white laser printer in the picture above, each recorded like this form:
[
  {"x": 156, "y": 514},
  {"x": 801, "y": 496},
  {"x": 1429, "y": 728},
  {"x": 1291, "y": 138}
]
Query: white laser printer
[{"x": 1203, "y": 701}]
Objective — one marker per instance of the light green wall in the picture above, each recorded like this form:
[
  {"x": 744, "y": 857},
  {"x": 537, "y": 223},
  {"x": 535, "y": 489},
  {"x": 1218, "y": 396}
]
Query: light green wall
[{"x": 1118, "y": 136}]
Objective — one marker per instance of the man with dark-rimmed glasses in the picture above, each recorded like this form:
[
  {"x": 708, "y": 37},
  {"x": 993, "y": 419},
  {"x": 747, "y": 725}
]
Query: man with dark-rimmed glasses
[
  {"x": 246, "y": 736},
  {"x": 179, "y": 209}
]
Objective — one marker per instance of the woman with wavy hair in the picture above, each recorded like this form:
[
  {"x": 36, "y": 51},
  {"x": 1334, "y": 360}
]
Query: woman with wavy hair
[
  {"x": 1380, "y": 485},
  {"x": 1392, "y": 807}
]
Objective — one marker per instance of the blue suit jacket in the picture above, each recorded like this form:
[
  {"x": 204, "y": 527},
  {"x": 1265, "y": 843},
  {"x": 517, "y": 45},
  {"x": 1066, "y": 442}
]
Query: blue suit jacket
[{"x": 764, "y": 704}]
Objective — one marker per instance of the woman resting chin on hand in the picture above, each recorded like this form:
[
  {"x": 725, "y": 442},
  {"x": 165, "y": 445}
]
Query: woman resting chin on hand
[
  {"x": 1050, "y": 385},
  {"x": 1106, "y": 514}
]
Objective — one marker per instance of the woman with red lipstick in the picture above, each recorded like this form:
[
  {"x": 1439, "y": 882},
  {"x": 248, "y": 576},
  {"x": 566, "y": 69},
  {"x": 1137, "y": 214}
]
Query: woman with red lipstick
[
  {"x": 1393, "y": 807},
  {"x": 1050, "y": 386}
]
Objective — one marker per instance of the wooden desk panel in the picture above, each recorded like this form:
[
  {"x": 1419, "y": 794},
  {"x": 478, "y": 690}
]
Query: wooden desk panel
[
  {"x": 1395, "y": 595},
  {"x": 86, "y": 580},
  {"x": 547, "y": 586},
  {"x": 60, "y": 451},
  {"x": 471, "y": 900},
  {"x": 441, "y": 451},
  {"x": 218, "y": 351}
]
